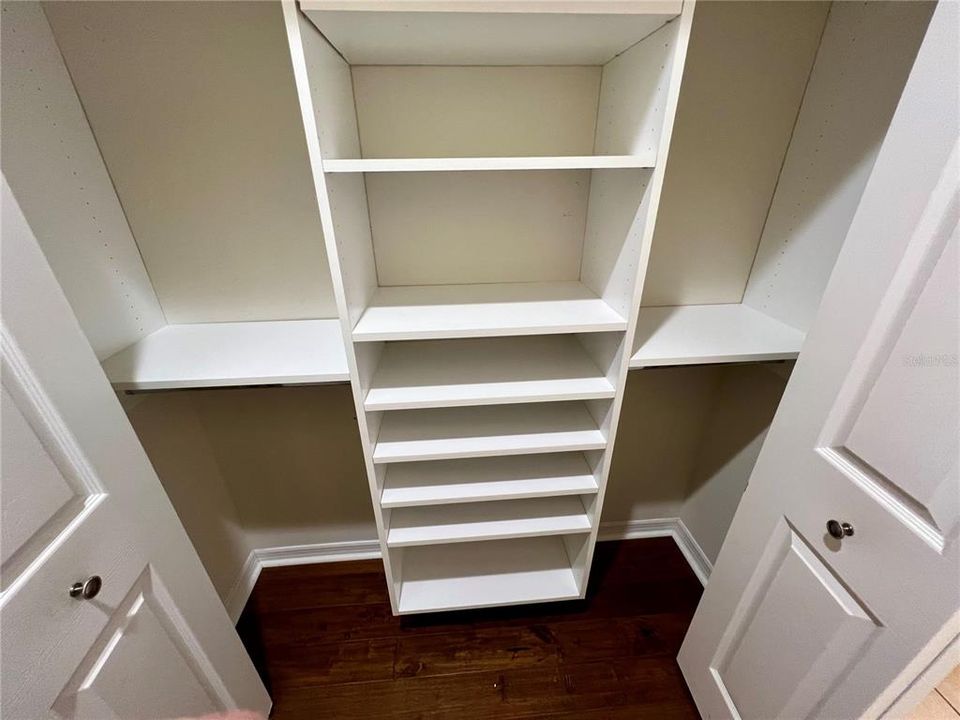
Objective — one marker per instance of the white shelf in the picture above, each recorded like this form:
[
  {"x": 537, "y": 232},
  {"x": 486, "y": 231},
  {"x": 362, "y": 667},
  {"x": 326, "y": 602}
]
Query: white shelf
[
  {"x": 435, "y": 525},
  {"x": 567, "y": 162},
  {"x": 442, "y": 482},
  {"x": 473, "y": 575},
  {"x": 489, "y": 371},
  {"x": 701, "y": 334},
  {"x": 446, "y": 433},
  {"x": 457, "y": 311},
  {"x": 496, "y": 32},
  {"x": 225, "y": 354}
]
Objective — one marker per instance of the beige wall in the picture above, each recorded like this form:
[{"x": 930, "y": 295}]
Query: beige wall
[
  {"x": 742, "y": 408},
  {"x": 271, "y": 467},
  {"x": 169, "y": 428},
  {"x": 292, "y": 460},
  {"x": 665, "y": 411}
]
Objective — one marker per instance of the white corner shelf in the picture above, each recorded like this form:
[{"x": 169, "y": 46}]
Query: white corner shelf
[
  {"x": 434, "y": 525},
  {"x": 493, "y": 430},
  {"x": 702, "y": 334},
  {"x": 563, "y": 162},
  {"x": 488, "y": 371},
  {"x": 428, "y": 312},
  {"x": 499, "y": 572},
  {"x": 442, "y": 482},
  {"x": 229, "y": 354}
]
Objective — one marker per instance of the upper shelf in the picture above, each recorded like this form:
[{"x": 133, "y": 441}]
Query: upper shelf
[
  {"x": 490, "y": 431},
  {"x": 562, "y": 162},
  {"x": 485, "y": 371},
  {"x": 238, "y": 353},
  {"x": 498, "y": 309},
  {"x": 497, "y": 32},
  {"x": 702, "y": 334}
]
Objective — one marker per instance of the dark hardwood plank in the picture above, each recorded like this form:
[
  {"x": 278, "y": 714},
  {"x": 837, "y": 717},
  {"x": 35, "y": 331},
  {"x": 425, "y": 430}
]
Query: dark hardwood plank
[
  {"x": 321, "y": 585},
  {"x": 472, "y": 650},
  {"x": 597, "y": 639},
  {"x": 327, "y": 645},
  {"x": 329, "y": 624},
  {"x": 651, "y": 688},
  {"x": 312, "y": 664}
]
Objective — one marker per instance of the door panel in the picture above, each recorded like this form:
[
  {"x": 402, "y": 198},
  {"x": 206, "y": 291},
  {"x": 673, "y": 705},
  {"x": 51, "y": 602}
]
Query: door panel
[
  {"x": 142, "y": 639},
  {"x": 85, "y": 501},
  {"x": 42, "y": 493},
  {"x": 795, "y": 620},
  {"x": 71, "y": 543},
  {"x": 903, "y": 436}
]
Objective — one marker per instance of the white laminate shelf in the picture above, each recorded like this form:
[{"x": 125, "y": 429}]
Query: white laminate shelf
[
  {"x": 441, "y": 482},
  {"x": 499, "y": 572},
  {"x": 468, "y": 164},
  {"x": 486, "y": 371},
  {"x": 703, "y": 334},
  {"x": 229, "y": 354},
  {"x": 498, "y": 309},
  {"x": 486, "y": 32},
  {"x": 435, "y": 525},
  {"x": 447, "y": 433}
]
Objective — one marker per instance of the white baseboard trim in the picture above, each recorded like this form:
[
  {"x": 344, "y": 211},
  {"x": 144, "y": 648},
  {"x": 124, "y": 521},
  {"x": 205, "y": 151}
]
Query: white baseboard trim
[
  {"x": 260, "y": 558},
  {"x": 662, "y": 527},
  {"x": 370, "y": 549}
]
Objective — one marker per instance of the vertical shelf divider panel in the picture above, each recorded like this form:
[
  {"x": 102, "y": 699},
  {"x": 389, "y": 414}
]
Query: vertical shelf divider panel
[
  {"x": 638, "y": 102},
  {"x": 519, "y": 549},
  {"x": 325, "y": 91}
]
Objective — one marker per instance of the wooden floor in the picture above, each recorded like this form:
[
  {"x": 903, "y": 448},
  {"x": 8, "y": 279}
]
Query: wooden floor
[{"x": 327, "y": 646}]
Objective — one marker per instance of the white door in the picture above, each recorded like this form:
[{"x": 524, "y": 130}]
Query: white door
[
  {"x": 80, "y": 501},
  {"x": 796, "y": 623}
]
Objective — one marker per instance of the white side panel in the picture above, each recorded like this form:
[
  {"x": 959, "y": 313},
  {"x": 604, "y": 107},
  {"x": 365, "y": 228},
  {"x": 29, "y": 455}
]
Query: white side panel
[
  {"x": 194, "y": 109},
  {"x": 410, "y": 111},
  {"x": 865, "y": 55},
  {"x": 342, "y": 203},
  {"x": 483, "y": 227},
  {"x": 53, "y": 164},
  {"x": 633, "y": 95},
  {"x": 742, "y": 85},
  {"x": 331, "y": 89},
  {"x": 347, "y": 196},
  {"x": 612, "y": 246}
]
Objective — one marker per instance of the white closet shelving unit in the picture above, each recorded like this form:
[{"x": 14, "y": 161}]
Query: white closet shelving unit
[{"x": 488, "y": 177}]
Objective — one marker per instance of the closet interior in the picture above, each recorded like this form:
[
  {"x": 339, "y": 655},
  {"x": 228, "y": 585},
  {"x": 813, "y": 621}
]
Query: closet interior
[{"x": 481, "y": 221}]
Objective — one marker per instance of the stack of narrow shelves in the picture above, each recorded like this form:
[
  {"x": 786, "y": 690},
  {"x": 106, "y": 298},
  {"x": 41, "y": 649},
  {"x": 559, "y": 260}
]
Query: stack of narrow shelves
[{"x": 486, "y": 244}]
